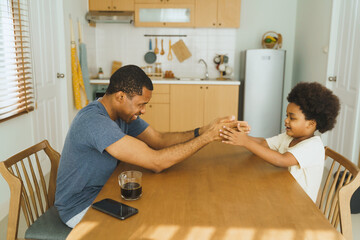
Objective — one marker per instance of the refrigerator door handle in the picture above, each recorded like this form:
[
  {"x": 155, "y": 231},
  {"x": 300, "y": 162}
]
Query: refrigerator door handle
[{"x": 332, "y": 79}]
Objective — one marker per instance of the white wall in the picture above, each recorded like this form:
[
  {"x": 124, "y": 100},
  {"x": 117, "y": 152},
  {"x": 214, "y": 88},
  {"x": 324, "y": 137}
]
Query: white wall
[
  {"x": 126, "y": 43},
  {"x": 312, "y": 41},
  {"x": 258, "y": 17},
  {"x": 16, "y": 135}
]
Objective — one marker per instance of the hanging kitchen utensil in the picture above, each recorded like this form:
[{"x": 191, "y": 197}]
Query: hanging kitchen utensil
[
  {"x": 156, "y": 50},
  {"x": 181, "y": 51},
  {"x": 170, "y": 56},
  {"x": 150, "y": 56},
  {"x": 162, "y": 52}
]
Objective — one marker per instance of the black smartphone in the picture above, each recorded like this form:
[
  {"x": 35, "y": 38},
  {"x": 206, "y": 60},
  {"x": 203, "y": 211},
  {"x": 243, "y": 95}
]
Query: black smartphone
[{"x": 115, "y": 208}]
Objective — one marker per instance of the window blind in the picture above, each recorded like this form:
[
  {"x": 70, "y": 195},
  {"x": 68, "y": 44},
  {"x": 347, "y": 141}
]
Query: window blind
[{"x": 16, "y": 83}]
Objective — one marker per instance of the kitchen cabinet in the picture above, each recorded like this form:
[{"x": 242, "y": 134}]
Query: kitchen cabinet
[
  {"x": 217, "y": 13},
  {"x": 193, "y": 106},
  {"x": 165, "y": 1},
  {"x": 158, "y": 109},
  {"x": 111, "y": 5},
  {"x": 165, "y": 15}
]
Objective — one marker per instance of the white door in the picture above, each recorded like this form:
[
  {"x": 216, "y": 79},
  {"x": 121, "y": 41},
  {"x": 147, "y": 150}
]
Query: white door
[
  {"x": 344, "y": 64},
  {"x": 51, "y": 115}
]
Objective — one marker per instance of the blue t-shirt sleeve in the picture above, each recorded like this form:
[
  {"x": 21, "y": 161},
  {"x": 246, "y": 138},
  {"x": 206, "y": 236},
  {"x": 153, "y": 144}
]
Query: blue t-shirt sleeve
[
  {"x": 136, "y": 127},
  {"x": 101, "y": 131}
]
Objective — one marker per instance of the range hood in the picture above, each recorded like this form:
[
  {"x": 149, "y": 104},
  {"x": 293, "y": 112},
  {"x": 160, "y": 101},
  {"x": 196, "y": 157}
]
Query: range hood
[{"x": 109, "y": 17}]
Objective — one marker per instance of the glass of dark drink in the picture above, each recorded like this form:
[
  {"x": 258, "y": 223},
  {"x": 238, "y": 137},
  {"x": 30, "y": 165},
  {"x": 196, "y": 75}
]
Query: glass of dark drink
[{"x": 130, "y": 185}]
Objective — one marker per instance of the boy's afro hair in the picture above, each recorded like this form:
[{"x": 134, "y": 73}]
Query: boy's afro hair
[{"x": 317, "y": 103}]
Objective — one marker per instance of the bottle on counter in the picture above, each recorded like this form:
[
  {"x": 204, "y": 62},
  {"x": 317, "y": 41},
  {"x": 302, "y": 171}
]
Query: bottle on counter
[
  {"x": 158, "y": 67},
  {"x": 100, "y": 73}
]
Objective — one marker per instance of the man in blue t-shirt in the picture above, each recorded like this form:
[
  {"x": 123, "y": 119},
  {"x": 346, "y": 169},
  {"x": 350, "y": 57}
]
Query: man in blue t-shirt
[{"x": 109, "y": 130}]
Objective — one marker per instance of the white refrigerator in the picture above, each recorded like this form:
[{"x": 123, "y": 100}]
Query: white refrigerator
[{"x": 263, "y": 93}]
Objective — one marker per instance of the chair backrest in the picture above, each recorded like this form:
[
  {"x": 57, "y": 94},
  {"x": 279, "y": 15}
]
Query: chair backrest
[
  {"x": 342, "y": 181},
  {"x": 24, "y": 174}
]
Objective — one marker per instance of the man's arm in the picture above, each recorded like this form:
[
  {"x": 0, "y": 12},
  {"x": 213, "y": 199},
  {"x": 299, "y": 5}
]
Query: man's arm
[
  {"x": 158, "y": 140},
  {"x": 134, "y": 151}
]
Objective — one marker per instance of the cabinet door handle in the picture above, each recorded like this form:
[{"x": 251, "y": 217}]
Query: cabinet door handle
[
  {"x": 219, "y": 24},
  {"x": 109, "y": 7},
  {"x": 207, "y": 87},
  {"x": 200, "y": 87},
  {"x": 114, "y": 7},
  {"x": 150, "y": 106}
]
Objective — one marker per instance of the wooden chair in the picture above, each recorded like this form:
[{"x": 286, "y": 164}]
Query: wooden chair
[
  {"x": 35, "y": 199},
  {"x": 342, "y": 181}
]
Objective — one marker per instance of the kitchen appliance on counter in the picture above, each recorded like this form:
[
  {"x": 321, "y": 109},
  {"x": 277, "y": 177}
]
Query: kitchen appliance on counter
[{"x": 263, "y": 94}]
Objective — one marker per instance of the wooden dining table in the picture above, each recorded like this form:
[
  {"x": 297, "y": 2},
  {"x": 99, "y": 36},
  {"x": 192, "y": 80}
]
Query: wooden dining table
[{"x": 221, "y": 192}]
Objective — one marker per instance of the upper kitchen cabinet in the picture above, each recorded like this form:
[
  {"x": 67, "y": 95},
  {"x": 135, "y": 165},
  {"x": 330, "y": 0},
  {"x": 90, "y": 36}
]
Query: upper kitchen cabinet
[
  {"x": 164, "y": 15},
  {"x": 111, "y": 5},
  {"x": 217, "y": 13}
]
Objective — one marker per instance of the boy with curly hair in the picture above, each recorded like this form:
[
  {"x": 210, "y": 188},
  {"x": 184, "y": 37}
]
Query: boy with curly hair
[{"x": 311, "y": 107}]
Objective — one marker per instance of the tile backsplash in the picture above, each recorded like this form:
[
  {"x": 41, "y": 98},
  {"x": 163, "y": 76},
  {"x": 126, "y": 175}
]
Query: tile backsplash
[{"x": 126, "y": 43}]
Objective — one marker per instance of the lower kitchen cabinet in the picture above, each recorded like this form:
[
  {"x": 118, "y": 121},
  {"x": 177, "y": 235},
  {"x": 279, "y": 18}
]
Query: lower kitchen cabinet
[
  {"x": 193, "y": 106},
  {"x": 158, "y": 109}
]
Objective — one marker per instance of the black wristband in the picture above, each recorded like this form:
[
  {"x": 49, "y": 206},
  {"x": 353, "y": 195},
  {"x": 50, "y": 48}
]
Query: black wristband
[{"x": 196, "y": 132}]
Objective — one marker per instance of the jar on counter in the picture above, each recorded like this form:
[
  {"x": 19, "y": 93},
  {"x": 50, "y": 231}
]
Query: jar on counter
[
  {"x": 100, "y": 73},
  {"x": 158, "y": 68},
  {"x": 148, "y": 69}
]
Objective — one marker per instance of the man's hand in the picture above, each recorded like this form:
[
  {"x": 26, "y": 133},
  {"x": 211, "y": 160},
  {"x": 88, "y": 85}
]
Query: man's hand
[
  {"x": 212, "y": 130},
  {"x": 215, "y": 121}
]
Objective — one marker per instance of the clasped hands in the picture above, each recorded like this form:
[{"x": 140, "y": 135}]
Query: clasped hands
[{"x": 228, "y": 128}]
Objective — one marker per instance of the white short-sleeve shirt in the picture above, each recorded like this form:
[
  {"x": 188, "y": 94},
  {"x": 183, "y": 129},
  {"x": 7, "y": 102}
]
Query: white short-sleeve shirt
[{"x": 310, "y": 155}]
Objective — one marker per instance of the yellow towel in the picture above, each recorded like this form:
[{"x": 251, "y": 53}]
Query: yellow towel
[
  {"x": 77, "y": 78},
  {"x": 78, "y": 82}
]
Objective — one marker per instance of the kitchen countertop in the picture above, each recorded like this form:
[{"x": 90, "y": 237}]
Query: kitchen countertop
[{"x": 176, "y": 81}]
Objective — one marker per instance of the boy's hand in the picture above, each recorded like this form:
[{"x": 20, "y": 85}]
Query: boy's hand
[
  {"x": 243, "y": 126},
  {"x": 233, "y": 137}
]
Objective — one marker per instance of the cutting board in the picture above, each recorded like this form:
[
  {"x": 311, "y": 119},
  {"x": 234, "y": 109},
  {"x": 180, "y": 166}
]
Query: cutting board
[
  {"x": 115, "y": 66},
  {"x": 181, "y": 51}
]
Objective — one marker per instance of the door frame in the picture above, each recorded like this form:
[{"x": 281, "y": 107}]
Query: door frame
[{"x": 333, "y": 41}]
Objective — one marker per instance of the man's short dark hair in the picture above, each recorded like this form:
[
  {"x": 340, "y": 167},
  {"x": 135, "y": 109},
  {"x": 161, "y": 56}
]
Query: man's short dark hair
[
  {"x": 129, "y": 79},
  {"x": 317, "y": 103}
]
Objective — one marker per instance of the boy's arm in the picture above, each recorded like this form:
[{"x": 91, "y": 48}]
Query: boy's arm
[
  {"x": 259, "y": 140},
  {"x": 259, "y": 147},
  {"x": 271, "y": 156}
]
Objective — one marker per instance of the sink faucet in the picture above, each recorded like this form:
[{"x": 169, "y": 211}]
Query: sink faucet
[{"x": 206, "y": 73}]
